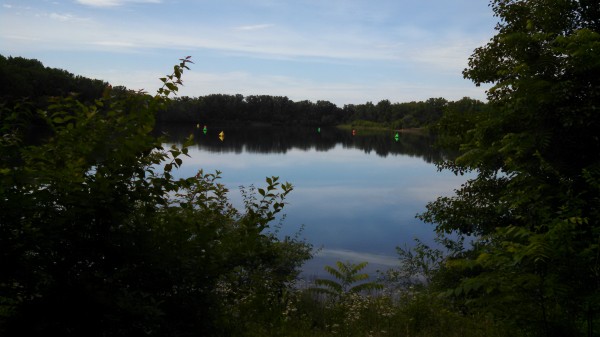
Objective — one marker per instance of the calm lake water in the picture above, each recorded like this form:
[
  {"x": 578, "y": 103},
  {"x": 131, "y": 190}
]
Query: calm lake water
[{"x": 355, "y": 196}]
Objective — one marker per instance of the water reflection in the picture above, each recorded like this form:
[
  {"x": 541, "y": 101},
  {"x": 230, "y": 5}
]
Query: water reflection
[
  {"x": 355, "y": 196},
  {"x": 283, "y": 139}
]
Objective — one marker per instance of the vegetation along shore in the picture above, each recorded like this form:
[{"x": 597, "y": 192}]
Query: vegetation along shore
[{"x": 98, "y": 238}]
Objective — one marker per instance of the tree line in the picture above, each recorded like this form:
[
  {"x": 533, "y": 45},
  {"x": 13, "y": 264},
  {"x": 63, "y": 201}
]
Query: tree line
[
  {"x": 22, "y": 77},
  {"x": 533, "y": 209},
  {"x": 30, "y": 78},
  {"x": 280, "y": 110},
  {"x": 97, "y": 238}
]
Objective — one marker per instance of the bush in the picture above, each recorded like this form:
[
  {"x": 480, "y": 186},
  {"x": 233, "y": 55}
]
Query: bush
[{"x": 97, "y": 238}]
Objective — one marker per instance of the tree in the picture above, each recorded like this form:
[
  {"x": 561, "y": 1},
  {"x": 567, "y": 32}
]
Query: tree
[
  {"x": 350, "y": 280},
  {"x": 534, "y": 205},
  {"x": 458, "y": 116},
  {"x": 23, "y": 77},
  {"x": 98, "y": 238}
]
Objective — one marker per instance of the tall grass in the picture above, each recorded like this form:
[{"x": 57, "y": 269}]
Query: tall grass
[{"x": 409, "y": 314}]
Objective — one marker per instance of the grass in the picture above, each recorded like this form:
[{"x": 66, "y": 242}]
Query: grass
[{"x": 411, "y": 314}]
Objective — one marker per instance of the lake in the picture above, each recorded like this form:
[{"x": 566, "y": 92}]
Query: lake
[{"x": 355, "y": 197}]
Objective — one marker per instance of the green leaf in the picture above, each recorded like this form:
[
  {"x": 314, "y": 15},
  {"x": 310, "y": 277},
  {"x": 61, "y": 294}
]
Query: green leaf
[{"x": 171, "y": 86}]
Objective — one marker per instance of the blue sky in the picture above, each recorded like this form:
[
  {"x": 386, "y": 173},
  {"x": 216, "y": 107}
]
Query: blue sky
[{"x": 343, "y": 51}]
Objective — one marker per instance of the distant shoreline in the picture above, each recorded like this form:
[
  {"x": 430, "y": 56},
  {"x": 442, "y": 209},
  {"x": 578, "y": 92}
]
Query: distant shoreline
[
  {"x": 413, "y": 130},
  {"x": 383, "y": 128}
]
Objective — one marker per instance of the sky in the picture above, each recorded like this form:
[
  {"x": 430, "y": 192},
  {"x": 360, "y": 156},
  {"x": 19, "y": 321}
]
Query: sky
[{"x": 342, "y": 51}]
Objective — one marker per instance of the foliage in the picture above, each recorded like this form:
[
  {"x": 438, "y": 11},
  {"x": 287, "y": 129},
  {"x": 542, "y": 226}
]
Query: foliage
[
  {"x": 23, "y": 77},
  {"x": 423, "y": 267},
  {"x": 367, "y": 124},
  {"x": 349, "y": 277},
  {"x": 29, "y": 78},
  {"x": 533, "y": 206},
  {"x": 98, "y": 238},
  {"x": 390, "y": 312},
  {"x": 280, "y": 110},
  {"x": 457, "y": 117}
]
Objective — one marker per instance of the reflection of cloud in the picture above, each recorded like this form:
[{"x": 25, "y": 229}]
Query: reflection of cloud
[
  {"x": 336, "y": 159},
  {"x": 429, "y": 192},
  {"x": 337, "y": 181},
  {"x": 360, "y": 205},
  {"x": 353, "y": 256},
  {"x": 343, "y": 201}
]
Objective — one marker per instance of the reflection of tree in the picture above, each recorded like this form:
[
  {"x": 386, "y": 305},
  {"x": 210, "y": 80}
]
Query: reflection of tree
[{"x": 283, "y": 139}]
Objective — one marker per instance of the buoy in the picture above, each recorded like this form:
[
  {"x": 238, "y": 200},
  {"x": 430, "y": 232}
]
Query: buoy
[
  {"x": 197, "y": 126},
  {"x": 354, "y": 132},
  {"x": 205, "y": 129},
  {"x": 222, "y": 134},
  {"x": 397, "y": 136}
]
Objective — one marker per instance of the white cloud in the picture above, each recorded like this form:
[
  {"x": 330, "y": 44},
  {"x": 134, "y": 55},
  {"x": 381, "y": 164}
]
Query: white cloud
[
  {"x": 100, "y": 3},
  {"x": 254, "y": 27},
  {"x": 199, "y": 83},
  {"x": 117, "y": 44},
  {"x": 447, "y": 54},
  {"x": 112, "y": 3},
  {"x": 66, "y": 17},
  {"x": 281, "y": 43},
  {"x": 337, "y": 91},
  {"x": 408, "y": 61},
  {"x": 13, "y": 7}
]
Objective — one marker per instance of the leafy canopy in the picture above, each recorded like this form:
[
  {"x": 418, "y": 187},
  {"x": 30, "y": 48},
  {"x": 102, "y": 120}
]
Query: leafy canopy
[
  {"x": 98, "y": 238},
  {"x": 350, "y": 280},
  {"x": 534, "y": 205}
]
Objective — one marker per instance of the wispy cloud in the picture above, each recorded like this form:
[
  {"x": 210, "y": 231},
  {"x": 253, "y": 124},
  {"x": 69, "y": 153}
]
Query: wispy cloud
[
  {"x": 285, "y": 42},
  {"x": 117, "y": 44},
  {"x": 342, "y": 51},
  {"x": 254, "y": 27},
  {"x": 338, "y": 91},
  {"x": 13, "y": 7},
  {"x": 112, "y": 3},
  {"x": 66, "y": 17}
]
